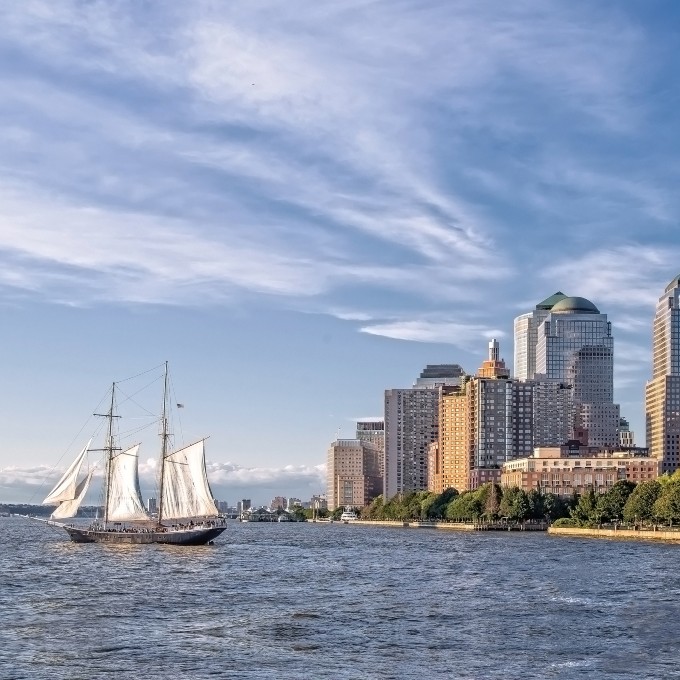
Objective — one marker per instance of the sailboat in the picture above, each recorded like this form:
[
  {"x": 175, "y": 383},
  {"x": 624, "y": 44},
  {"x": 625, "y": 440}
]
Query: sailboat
[{"x": 187, "y": 512}]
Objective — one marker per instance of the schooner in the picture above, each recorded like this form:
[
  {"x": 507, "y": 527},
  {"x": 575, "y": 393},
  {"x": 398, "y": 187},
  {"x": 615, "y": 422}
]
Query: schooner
[{"x": 187, "y": 512}]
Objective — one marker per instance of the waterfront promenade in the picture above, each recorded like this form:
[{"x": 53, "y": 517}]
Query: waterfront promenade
[
  {"x": 647, "y": 534},
  {"x": 455, "y": 526}
]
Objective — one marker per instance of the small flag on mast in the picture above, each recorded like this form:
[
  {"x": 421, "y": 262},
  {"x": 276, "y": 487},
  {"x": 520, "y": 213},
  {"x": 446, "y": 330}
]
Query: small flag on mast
[{"x": 180, "y": 405}]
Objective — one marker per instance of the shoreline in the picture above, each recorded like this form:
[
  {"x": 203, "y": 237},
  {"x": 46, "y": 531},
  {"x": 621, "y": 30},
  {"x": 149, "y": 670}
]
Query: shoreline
[
  {"x": 618, "y": 534},
  {"x": 448, "y": 526}
]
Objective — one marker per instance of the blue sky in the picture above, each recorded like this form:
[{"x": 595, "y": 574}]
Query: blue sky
[{"x": 302, "y": 204}]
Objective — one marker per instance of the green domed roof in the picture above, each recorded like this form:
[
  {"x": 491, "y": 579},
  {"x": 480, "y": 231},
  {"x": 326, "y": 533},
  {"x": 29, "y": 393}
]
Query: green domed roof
[
  {"x": 575, "y": 304},
  {"x": 550, "y": 302}
]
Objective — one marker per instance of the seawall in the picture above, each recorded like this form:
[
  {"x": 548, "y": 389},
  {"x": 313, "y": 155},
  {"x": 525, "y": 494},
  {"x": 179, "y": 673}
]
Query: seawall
[
  {"x": 412, "y": 524},
  {"x": 451, "y": 526},
  {"x": 622, "y": 534}
]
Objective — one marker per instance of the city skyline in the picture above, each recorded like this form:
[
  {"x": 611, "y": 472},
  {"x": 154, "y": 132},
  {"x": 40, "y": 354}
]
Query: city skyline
[{"x": 316, "y": 205}]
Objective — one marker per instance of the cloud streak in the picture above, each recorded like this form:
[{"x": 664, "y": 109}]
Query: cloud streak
[{"x": 31, "y": 484}]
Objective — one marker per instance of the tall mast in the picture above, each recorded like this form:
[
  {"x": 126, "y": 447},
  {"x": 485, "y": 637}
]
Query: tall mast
[
  {"x": 164, "y": 443},
  {"x": 109, "y": 449}
]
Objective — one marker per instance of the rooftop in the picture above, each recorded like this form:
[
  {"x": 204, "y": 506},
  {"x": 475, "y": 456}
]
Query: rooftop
[
  {"x": 549, "y": 302},
  {"x": 575, "y": 304},
  {"x": 442, "y": 371},
  {"x": 675, "y": 283}
]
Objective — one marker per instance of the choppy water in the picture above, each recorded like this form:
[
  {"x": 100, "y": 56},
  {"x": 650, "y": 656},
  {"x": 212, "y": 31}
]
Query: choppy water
[{"x": 336, "y": 601}]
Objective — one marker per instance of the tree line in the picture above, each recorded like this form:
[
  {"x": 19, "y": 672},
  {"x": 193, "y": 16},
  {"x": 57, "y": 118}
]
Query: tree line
[
  {"x": 490, "y": 502},
  {"x": 655, "y": 501}
]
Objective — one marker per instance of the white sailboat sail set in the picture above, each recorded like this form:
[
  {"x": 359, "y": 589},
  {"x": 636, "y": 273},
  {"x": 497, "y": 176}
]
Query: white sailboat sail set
[{"x": 187, "y": 512}]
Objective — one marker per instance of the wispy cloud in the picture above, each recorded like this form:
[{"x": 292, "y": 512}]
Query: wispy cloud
[
  {"x": 627, "y": 276},
  {"x": 410, "y": 168},
  {"x": 465, "y": 336},
  {"x": 288, "y": 161}
]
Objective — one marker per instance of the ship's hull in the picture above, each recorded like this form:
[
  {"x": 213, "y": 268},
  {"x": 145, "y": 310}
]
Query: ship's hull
[{"x": 193, "y": 536}]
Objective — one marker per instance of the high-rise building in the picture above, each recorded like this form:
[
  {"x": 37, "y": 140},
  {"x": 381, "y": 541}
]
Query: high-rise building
[
  {"x": 152, "y": 506},
  {"x": 352, "y": 473},
  {"x": 480, "y": 423},
  {"x": 490, "y": 419},
  {"x": 493, "y": 366},
  {"x": 662, "y": 393},
  {"x": 318, "y": 502},
  {"x": 626, "y": 436},
  {"x": 551, "y": 408},
  {"x": 243, "y": 505},
  {"x": 373, "y": 430},
  {"x": 526, "y": 336},
  {"x": 436, "y": 375},
  {"x": 278, "y": 503},
  {"x": 411, "y": 417},
  {"x": 450, "y": 456},
  {"x": 566, "y": 340}
]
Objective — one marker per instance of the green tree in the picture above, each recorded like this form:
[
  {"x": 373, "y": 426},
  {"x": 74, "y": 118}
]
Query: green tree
[
  {"x": 640, "y": 504},
  {"x": 515, "y": 504},
  {"x": 667, "y": 505},
  {"x": 536, "y": 501},
  {"x": 611, "y": 503},
  {"x": 585, "y": 511},
  {"x": 466, "y": 507},
  {"x": 493, "y": 495},
  {"x": 299, "y": 514},
  {"x": 435, "y": 505},
  {"x": 557, "y": 507}
]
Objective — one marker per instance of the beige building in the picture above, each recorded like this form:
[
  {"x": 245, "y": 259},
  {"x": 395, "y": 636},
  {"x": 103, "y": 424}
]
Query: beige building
[
  {"x": 662, "y": 394},
  {"x": 352, "y": 473},
  {"x": 450, "y": 457},
  {"x": 563, "y": 470}
]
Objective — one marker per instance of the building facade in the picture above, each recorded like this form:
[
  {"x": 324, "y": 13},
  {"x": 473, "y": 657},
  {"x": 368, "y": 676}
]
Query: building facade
[
  {"x": 278, "y": 503},
  {"x": 567, "y": 341},
  {"x": 574, "y": 468},
  {"x": 411, "y": 425},
  {"x": 626, "y": 435},
  {"x": 352, "y": 473},
  {"x": 437, "y": 375},
  {"x": 450, "y": 456},
  {"x": 373, "y": 430},
  {"x": 526, "y": 337},
  {"x": 490, "y": 419},
  {"x": 662, "y": 392}
]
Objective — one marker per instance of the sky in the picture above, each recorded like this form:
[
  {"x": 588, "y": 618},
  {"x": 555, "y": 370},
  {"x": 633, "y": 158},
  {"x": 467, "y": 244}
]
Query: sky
[{"x": 301, "y": 204}]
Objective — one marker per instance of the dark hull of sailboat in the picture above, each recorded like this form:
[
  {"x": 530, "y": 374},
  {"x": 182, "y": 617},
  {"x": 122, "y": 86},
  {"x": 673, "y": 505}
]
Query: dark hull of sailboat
[{"x": 193, "y": 536}]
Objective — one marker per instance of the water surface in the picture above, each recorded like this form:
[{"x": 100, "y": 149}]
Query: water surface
[{"x": 337, "y": 601}]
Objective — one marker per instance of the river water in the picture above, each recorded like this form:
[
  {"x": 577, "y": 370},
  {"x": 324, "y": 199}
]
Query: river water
[{"x": 337, "y": 601}]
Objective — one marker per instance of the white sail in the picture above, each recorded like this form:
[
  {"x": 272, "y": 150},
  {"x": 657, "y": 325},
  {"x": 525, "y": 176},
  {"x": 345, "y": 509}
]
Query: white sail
[
  {"x": 70, "y": 508},
  {"x": 124, "y": 496},
  {"x": 186, "y": 492},
  {"x": 65, "y": 488}
]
